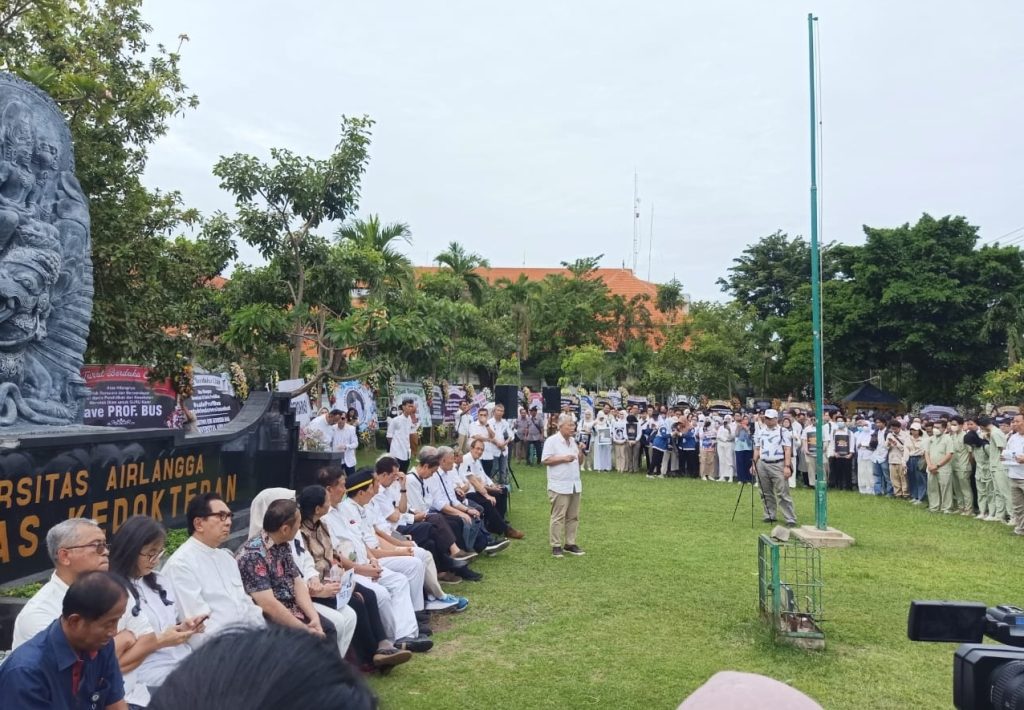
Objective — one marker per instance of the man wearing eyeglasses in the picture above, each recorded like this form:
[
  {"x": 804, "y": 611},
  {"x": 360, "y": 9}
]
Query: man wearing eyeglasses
[
  {"x": 79, "y": 546},
  {"x": 76, "y": 546},
  {"x": 205, "y": 578}
]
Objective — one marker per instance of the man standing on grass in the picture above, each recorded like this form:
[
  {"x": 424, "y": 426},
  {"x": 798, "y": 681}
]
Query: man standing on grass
[
  {"x": 563, "y": 456},
  {"x": 773, "y": 465}
]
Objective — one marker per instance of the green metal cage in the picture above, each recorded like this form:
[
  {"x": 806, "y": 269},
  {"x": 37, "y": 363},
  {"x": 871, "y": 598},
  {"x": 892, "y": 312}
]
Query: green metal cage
[{"x": 790, "y": 588}]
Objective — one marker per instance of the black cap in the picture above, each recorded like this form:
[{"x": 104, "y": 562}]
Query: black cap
[{"x": 359, "y": 480}]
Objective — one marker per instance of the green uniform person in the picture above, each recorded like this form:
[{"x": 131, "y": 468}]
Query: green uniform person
[
  {"x": 1001, "y": 505},
  {"x": 963, "y": 498},
  {"x": 983, "y": 470},
  {"x": 938, "y": 457}
]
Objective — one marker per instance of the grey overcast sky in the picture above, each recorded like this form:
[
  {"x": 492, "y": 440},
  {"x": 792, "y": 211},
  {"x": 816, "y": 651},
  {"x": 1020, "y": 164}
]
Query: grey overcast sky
[{"x": 515, "y": 128}]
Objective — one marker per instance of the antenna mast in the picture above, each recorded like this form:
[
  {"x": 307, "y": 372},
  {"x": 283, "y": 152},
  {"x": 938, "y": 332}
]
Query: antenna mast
[{"x": 636, "y": 219}]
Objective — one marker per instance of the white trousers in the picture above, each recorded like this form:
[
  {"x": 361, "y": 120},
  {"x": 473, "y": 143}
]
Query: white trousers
[
  {"x": 396, "y": 612},
  {"x": 413, "y": 569},
  {"x": 866, "y": 476},
  {"x": 726, "y": 460},
  {"x": 430, "y": 581},
  {"x": 344, "y": 621}
]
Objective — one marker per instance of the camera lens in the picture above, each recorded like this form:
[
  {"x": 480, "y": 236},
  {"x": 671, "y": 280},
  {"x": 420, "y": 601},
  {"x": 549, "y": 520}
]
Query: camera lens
[{"x": 1008, "y": 686}]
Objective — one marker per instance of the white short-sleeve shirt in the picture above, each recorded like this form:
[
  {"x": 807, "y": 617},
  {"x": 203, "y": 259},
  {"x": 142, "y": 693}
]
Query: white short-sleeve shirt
[{"x": 563, "y": 477}]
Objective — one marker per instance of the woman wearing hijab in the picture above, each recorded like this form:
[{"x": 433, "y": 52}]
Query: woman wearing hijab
[
  {"x": 602, "y": 443},
  {"x": 586, "y": 437},
  {"x": 726, "y": 439}
]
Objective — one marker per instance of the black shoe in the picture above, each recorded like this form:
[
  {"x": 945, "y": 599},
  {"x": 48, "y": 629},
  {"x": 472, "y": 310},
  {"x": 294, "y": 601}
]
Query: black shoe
[
  {"x": 469, "y": 575},
  {"x": 417, "y": 644},
  {"x": 495, "y": 547},
  {"x": 574, "y": 550},
  {"x": 767, "y": 520},
  {"x": 791, "y": 524},
  {"x": 556, "y": 552},
  {"x": 422, "y": 617}
]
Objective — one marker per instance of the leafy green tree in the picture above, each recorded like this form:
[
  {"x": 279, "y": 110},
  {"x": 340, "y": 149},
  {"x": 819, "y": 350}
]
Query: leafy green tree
[
  {"x": 281, "y": 202},
  {"x": 585, "y": 365},
  {"x": 768, "y": 273},
  {"x": 118, "y": 94},
  {"x": 669, "y": 299},
  {"x": 463, "y": 265}
]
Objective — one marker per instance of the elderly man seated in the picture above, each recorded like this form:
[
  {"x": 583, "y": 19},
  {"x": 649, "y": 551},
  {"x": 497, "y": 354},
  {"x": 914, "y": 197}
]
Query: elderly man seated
[
  {"x": 486, "y": 493},
  {"x": 393, "y": 519}
]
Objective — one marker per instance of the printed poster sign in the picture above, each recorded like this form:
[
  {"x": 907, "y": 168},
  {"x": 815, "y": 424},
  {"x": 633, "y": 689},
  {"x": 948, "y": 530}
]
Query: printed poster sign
[
  {"x": 301, "y": 405},
  {"x": 353, "y": 394},
  {"x": 122, "y": 396},
  {"x": 213, "y": 401}
]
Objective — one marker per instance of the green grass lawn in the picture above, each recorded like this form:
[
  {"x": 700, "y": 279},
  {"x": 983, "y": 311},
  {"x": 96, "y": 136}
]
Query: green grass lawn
[{"x": 667, "y": 595}]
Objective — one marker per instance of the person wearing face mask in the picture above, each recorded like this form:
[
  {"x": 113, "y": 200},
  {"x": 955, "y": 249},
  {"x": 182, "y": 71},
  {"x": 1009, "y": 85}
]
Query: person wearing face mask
[
  {"x": 841, "y": 460},
  {"x": 938, "y": 457},
  {"x": 897, "y": 441},
  {"x": 865, "y": 469},
  {"x": 963, "y": 498}
]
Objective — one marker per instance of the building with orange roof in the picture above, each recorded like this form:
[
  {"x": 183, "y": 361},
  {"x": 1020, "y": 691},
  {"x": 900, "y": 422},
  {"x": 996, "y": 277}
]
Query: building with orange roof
[{"x": 620, "y": 282}]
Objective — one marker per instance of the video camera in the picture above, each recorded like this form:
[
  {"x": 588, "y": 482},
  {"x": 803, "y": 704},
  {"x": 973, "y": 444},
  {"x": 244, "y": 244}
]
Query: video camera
[{"x": 984, "y": 676}]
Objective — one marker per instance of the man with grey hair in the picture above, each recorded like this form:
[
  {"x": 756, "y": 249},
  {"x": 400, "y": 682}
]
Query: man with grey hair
[{"x": 78, "y": 546}]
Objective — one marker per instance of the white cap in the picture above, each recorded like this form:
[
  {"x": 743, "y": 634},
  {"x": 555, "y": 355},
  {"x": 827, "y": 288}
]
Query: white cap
[{"x": 771, "y": 414}]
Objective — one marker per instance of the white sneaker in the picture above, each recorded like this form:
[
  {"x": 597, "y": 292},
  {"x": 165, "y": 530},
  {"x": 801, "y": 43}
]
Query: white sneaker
[
  {"x": 991, "y": 518},
  {"x": 980, "y": 516}
]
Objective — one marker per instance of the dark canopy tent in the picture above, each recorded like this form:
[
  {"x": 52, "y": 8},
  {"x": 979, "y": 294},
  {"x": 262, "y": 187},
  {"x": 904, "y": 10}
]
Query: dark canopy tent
[{"x": 867, "y": 396}]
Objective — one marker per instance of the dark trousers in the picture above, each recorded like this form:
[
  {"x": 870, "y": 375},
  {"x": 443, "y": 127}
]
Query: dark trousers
[
  {"x": 657, "y": 455},
  {"x": 744, "y": 460},
  {"x": 403, "y": 465},
  {"x": 534, "y": 452},
  {"x": 472, "y": 536},
  {"x": 494, "y": 519},
  {"x": 488, "y": 466},
  {"x": 842, "y": 473},
  {"x": 691, "y": 463},
  {"x": 369, "y": 627},
  {"x": 645, "y": 455}
]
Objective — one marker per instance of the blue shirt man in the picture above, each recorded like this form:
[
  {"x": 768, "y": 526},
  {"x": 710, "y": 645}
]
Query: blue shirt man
[{"x": 72, "y": 665}]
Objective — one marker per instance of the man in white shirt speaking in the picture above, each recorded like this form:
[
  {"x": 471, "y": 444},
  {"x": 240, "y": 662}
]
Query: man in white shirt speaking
[{"x": 563, "y": 456}]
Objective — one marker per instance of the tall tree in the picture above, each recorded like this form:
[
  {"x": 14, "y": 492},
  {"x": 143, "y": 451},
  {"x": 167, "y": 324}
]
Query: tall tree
[
  {"x": 281, "y": 202},
  {"x": 669, "y": 299},
  {"x": 372, "y": 244},
  {"x": 463, "y": 265},
  {"x": 118, "y": 93}
]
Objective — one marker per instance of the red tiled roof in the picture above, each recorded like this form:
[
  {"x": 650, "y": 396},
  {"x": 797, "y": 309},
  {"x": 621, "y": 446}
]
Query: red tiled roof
[{"x": 621, "y": 282}]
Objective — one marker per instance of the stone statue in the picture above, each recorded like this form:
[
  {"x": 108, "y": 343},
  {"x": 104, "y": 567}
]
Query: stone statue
[{"x": 46, "y": 281}]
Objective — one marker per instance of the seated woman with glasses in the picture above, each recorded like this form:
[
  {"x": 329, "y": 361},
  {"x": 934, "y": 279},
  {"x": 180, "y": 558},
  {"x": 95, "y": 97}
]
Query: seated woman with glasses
[{"x": 135, "y": 551}]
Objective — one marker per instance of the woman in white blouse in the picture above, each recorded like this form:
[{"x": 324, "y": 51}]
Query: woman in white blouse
[{"x": 135, "y": 551}]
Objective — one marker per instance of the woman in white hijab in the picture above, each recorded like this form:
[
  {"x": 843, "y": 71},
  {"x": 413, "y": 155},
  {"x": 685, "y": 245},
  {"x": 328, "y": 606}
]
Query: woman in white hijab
[
  {"x": 726, "y": 437},
  {"x": 602, "y": 443},
  {"x": 587, "y": 429}
]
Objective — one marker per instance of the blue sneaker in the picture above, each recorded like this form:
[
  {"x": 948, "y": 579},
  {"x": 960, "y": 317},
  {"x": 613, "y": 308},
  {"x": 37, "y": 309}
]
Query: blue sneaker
[{"x": 461, "y": 603}]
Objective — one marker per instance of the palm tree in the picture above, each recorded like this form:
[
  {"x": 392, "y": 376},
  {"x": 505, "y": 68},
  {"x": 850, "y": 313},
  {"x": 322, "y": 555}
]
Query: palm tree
[
  {"x": 463, "y": 265},
  {"x": 522, "y": 293},
  {"x": 389, "y": 268}
]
